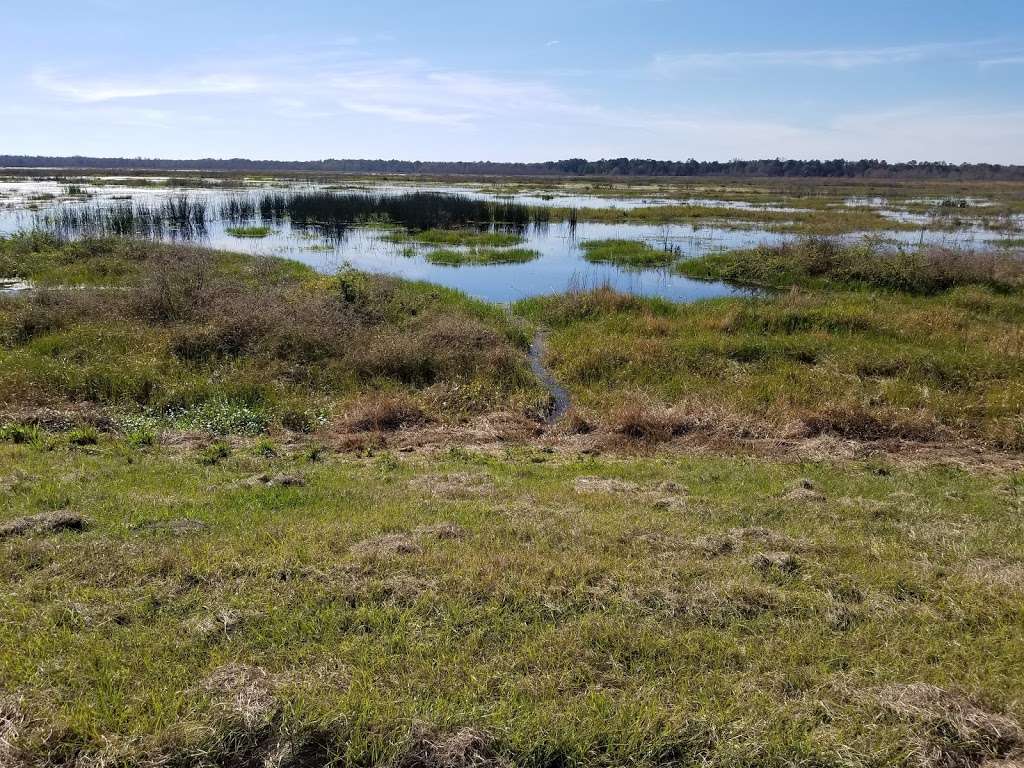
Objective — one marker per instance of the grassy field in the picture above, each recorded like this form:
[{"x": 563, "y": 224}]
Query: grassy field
[
  {"x": 256, "y": 516},
  {"x": 512, "y": 608}
]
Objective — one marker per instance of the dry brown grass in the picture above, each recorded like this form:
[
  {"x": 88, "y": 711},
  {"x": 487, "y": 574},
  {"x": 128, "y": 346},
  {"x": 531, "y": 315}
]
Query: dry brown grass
[{"x": 384, "y": 413}]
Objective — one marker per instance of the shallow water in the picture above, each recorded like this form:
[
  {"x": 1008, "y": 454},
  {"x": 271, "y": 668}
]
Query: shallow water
[{"x": 560, "y": 266}]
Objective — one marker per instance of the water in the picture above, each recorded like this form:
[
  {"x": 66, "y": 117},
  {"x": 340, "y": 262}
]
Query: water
[{"x": 559, "y": 267}]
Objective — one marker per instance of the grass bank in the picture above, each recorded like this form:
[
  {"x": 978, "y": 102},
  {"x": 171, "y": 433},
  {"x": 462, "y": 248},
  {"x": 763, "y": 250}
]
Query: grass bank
[
  {"x": 200, "y": 337},
  {"x": 865, "y": 347}
]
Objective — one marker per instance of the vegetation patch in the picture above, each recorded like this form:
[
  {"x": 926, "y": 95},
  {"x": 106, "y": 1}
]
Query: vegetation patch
[
  {"x": 227, "y": 344},
  {"x": 626, "y": 253},
  {"x": 251, "y": 232},
  {"x": 821, "y": 262},
  {"x": 479, "y": 256},
  {"x": 456, "y": 237}
]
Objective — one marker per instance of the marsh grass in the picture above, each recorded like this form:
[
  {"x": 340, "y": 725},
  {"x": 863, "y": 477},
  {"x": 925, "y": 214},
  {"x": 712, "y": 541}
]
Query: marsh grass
[
  {"x": 856, "y": 364},
  {"x": 479, "y": 256},
  {"x": 232, "y": 344},
  {"x": 822, "y": 262},
  {"x": 249, "y": 232},
  {"x": 457, "y": 237},
  {"x": 627, "y": 253}
]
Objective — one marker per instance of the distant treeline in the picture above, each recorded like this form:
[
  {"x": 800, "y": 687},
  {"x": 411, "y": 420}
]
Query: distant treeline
[{"x": 577, "y": 167}]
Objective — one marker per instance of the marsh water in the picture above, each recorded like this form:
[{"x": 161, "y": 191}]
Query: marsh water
[{"x": 560, "y": 265}]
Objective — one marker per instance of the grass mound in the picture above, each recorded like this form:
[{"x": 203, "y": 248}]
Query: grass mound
[
  {"x": 626, "y": 253},
  {"x": 450, "y": 237},
  {"x": 821, "y": 262},
  {"x": 252, "y": 232},
  {"x": 476, "y": 256}
]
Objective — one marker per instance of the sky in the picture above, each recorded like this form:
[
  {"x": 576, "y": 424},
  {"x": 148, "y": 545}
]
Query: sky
[{"x": 525, "y": 80}]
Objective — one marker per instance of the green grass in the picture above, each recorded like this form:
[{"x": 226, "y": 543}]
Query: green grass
[
  {"x": 626, "y": 253},
  {"x": 457, "y": 237},
  {"x": 852, "y": 363},
  {"x": 824, "y": 263},
  {"x": 227, "y": 343},
  {"x": 398, "y": 606},
  {"x": 253, "y": 232},
  {"x": 480, "y": 256}
]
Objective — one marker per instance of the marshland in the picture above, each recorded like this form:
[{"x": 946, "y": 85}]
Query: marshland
[{"x": 342, "y": 470}]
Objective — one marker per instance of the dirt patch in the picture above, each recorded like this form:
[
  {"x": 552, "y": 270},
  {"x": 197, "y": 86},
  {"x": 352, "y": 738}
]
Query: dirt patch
[
  {"x": 46, "y": 522},
  {"x": 952, "y": 730},
  {"x": 462, "y": 748}
]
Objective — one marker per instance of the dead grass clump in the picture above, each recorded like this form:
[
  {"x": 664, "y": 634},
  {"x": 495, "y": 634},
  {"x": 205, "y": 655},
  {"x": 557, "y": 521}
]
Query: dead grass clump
[
  {"x": 244, "y": 692},
  {"x": 279, "y": 480},
  {"x": 804, "y": 490},
  {"x": 997, "y": 572},
  {"x": 179, "y": 526},
  {"x": 714, "y": 546},
  {"x": 12, "y": 722},
  {"x": 222, "y": 622},
  {"x": 388, "y": 544},
  {"x": 768, "y": 538},
  {"x": 462, "y": 748},
  {"x": 859, "y": 423},
  {"x": 457, "y": 485},
  {"x": 384, "y": 413},
  {"x": 646, "y": 424},
  {"x": 776, "y": 562},
  {"x": 45, "y": 522},
  {"x": 720, "y": 604},
  {"x": 604, "y": 485},
  {"x": 440, "y": 531},
  {"x": 951, "y": 729}
]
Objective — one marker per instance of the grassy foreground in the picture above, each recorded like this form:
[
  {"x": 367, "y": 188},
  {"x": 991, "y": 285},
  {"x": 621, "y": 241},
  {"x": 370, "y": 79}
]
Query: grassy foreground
[
  {"x": 201, "y": 567},
  {"x": 518, "y": 608}
]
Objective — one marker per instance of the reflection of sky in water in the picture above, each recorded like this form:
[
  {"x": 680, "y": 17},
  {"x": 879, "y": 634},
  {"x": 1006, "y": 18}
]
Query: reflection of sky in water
[{"x": 560, "y": 266}]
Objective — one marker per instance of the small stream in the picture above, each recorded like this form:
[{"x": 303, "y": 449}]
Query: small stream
[{"x": 560, "y": 401}]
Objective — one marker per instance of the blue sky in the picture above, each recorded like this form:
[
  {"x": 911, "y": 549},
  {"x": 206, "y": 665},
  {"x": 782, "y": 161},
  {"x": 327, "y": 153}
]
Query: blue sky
[{"x": 525, "y": 80}]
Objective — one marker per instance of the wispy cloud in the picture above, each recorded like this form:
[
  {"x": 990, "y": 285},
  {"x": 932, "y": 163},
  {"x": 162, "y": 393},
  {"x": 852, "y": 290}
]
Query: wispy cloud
[
  {"x": 668, "y": 64},
  {"x": 1001, "y": 61},
  {"x": 99, "y": 90}
]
